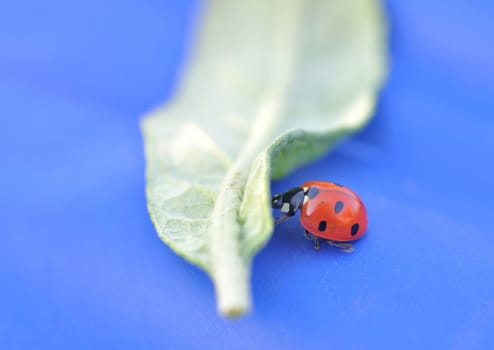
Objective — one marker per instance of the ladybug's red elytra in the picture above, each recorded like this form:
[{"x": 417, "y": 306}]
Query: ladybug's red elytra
[{"x": 327, "y": 210}]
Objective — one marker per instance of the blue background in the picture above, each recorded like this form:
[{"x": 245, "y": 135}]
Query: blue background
[{"x": 82, "y": 268}]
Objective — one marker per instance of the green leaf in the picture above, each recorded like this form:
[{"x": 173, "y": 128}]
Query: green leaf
[{"x": 271, "y": 85}]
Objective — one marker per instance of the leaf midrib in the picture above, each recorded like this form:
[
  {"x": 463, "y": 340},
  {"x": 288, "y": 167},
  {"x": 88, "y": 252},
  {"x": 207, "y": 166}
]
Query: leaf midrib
[{"x": 229, "y": 269}]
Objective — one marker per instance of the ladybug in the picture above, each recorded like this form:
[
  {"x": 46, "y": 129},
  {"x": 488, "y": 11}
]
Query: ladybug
[{"x": 327, "y": 210}]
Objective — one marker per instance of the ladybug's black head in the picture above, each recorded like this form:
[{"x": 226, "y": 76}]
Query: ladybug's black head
[
  {"x": 277, "y": 201},
  {"x": 289, "y": 202}
]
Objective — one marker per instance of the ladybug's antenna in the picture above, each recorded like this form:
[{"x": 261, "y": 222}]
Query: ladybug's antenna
[{"x": 282, "y": 218}]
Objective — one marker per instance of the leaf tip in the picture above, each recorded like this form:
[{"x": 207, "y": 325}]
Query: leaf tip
[{"x": 234, "y": 312}]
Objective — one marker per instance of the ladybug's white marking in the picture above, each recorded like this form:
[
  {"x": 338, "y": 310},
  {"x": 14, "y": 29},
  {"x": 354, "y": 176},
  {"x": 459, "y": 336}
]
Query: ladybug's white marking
[
  {"x": 285, "y": 208},
  {"x": 306, "y": 198}
]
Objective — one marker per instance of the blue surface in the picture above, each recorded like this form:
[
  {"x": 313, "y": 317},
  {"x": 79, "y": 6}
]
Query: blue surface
[{"x": 82, "y": 268}]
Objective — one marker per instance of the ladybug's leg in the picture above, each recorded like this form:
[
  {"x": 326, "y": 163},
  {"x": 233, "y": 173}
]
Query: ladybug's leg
[
  {"x": 316, "y": 243},
  {"x": 308, "y": 235},
  {"x": 346, "y": 247},
  {"x": 314, "y": 238}
]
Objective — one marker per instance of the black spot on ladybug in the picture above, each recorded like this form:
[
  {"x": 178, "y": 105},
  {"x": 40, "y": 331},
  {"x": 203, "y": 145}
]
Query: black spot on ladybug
[
  {"x": 322, "y": 226},
  {"x": 338, "y": 206},
  {"x": 355, "y": 228},
  {"x": 337, "y": 184},
  {"x": 312, "y": 192}
]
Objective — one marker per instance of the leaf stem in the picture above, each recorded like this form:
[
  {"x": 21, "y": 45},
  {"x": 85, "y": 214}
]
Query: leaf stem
[{"x": 230, "y": 271}]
